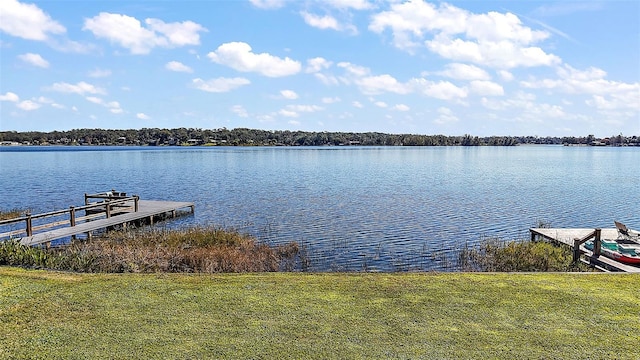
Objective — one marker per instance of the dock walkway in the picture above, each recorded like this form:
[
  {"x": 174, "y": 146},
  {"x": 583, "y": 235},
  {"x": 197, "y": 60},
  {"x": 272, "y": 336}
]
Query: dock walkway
[
  {"x": 148, "y": 209},
  {"x": 568, "y": 237},
  {"x": 101, "y": 211}
]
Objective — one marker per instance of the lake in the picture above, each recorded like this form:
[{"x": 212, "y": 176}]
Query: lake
[{"x": 352, "y": 208}]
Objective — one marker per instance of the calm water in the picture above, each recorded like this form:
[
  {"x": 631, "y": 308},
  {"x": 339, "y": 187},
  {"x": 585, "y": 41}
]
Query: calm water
[{"x": 353, "y": 208}]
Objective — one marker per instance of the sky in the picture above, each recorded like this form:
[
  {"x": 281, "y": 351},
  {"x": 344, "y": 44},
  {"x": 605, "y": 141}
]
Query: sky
[{"x": 485, "y": 68}]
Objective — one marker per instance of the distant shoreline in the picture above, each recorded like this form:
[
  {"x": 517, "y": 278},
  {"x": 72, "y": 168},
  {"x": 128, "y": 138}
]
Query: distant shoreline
[{"x": 255, "y": 137}]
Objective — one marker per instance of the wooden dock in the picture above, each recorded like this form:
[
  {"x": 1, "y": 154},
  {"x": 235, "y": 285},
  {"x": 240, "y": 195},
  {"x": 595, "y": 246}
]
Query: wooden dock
[
  {"x": 110, "y": 211},
  {"x": 573, "y": 237}
]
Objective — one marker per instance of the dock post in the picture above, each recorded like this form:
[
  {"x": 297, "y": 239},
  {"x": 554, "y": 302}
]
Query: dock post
[
  {"x": 86, "y": 199},
  {"x": 136, "y": 198},
  {"x": 72, "y": 216},
  {"x": 29, "y": 227},
  {"x": 576, "y": 250},
  {"x": 108, "y": 208},
  {"x": 597, "y": 243},
  {"x": 72, "y": 219}
]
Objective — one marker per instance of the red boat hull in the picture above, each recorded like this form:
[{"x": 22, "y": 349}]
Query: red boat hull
[{"x": 632, "y": 260}]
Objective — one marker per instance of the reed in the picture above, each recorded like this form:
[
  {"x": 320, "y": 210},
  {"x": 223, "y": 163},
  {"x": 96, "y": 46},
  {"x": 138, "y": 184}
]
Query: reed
[
  {"x": 191, "y": 250},
  {"x": 10, "y": 214},
  {"x": 507, "y": 256}
]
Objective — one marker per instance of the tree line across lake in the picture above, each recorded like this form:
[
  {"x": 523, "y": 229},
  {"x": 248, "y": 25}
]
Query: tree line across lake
[{"x": 255, "y": 137}]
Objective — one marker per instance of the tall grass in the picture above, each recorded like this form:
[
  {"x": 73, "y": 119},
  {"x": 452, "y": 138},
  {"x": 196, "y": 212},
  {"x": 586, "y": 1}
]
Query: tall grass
[
  {"x": 197, "y": 250},
  {"x": 497, "y": 255},
  {"x": 10, "y": 214}
]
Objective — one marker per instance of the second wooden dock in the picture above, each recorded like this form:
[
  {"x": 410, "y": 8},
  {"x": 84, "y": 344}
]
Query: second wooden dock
[{"x": 569, "y": 237}]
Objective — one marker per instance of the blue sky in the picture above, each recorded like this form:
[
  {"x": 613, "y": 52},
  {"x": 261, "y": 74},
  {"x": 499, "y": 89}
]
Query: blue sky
[{"x": 567, "y": 68}]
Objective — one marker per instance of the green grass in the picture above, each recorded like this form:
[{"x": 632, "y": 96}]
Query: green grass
[{"x": 49, "y": 315}]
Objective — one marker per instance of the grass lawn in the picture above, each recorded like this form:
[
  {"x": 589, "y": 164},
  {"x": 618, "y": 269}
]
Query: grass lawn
[{"x": 49, "y": 315}]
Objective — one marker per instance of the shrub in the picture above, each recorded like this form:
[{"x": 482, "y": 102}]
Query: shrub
[
  {"x": 202, "y": 250},
  {"x": 496, "y": 255}
]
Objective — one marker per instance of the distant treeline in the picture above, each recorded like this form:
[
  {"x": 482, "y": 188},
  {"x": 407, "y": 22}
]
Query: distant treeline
[{"x": 254, "y": 137}]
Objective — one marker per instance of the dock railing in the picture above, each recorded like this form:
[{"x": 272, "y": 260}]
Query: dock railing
[
  {"x": 110, "y": 204},
  {"x": 595, "y": 235}
]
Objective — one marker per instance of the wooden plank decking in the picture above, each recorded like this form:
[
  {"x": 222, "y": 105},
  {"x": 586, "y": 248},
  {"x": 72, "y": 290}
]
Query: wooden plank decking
[
  {"x": 148, "y": 209},
  {"x": 567, "y": 236}
]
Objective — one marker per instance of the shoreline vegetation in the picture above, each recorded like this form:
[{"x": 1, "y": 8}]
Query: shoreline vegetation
[
  {"x": 216, "y": 250},
  {"x": 190, "y": 250},
  {"x": 10, "y": 214},
  {"x": 255, "y": 137},
  {"x": 61, "y": 315}
]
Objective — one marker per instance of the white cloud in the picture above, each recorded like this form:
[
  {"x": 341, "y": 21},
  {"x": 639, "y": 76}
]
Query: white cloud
[
  {"x": 113, "y": 106},
  {"x": 304, "y": 108},
  {"x": 442, "y": 90},
  {"x": 401, "y": 107},
  {"x": 357, "y": 104},
  {"x": 238, "y": 56},
  {"x": 143, "y": 116},
  {"x": 381, "y": 104},
  {"x": 317, "y": 64},
  {"x": 464, "y": 72},
  {"x": 326, "y": 22},
  {"x": 94, "y": 99},
  {"x": 293, "y": 122},
  {"x": 9, "y": 96},
  {"x": 499, "y": 54},
  {"x": 265, "y": 118},
  {"x": 320, "y": 22},
  {"x": 288, "y": 113},
  {"x": 129, "y": 33},
  {"x": 268, "y": 4},
  {"x": 220, "y": 84},
  {"x": 289, "y": 94},
  {"x": 350, "y": 4},
  {"x": 294, "y": 111},
  {"x": 330, "y": 100},
  {"x": 372, "y": 84},
  {"x": 505, "y": 75},
  {"x": 486, "y": 88},
  {"x": 99, "y": 73},
  {"x": 177, "y": 66},
  {"x": 445, "y": 116},
  {"x": 605, "y": 94},
  {"x": 178, "y": 33},
  {"x": 328, "y": 80},
  {"x": 34, "y": 59},
  {"x": 80, "y": 88},
  {"x": 27, "y": 21},
  {"x": 240, "y": 111},
  {"x": 354, "y": 70},
  {"x": 28, "y": 105},
  {"x": 44, "y": 100},
  {"x": 493, "y": 39},
  {"x": 381, "y": 83}
]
